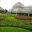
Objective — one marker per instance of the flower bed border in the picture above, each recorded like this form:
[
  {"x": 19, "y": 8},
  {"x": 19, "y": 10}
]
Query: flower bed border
[{"x": 24, "y": 17}]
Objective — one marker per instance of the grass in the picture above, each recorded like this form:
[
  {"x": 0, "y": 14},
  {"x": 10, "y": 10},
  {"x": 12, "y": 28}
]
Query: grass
[
  {"x": 11, "y": 29},
  {"x": 13, "y": 24},
  {"x": 19, "y": 22}
]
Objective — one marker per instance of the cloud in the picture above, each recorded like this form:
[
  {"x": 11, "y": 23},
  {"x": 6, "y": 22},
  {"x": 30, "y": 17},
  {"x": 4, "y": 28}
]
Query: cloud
[{"x": 7, "y": 4}]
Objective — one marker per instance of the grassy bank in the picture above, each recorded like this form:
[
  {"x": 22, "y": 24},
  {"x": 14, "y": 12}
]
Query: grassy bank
[{"x": 11, "y": 29}]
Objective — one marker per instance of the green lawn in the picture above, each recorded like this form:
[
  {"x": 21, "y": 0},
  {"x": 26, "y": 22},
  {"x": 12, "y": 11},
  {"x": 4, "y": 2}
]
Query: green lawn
[
  {"x": 13, "y": 24},
  {"x": 11, "y": 29}
]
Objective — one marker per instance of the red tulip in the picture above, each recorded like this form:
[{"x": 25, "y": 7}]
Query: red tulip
[{"x": 24, "y": 17}]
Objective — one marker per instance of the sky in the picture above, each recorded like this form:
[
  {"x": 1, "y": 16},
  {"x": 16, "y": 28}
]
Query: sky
[{"x": 7, "y": 4}]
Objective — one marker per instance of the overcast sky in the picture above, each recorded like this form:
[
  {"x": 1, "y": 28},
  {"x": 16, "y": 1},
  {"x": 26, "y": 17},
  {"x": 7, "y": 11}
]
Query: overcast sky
[{"x": 7, "y": 4}]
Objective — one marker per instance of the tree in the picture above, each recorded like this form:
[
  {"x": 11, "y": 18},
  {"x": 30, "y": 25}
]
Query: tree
[{"x": 5, "y": 10}]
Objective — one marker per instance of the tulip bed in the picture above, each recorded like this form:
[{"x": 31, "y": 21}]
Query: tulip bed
[{"x": 24, "y": 17}]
